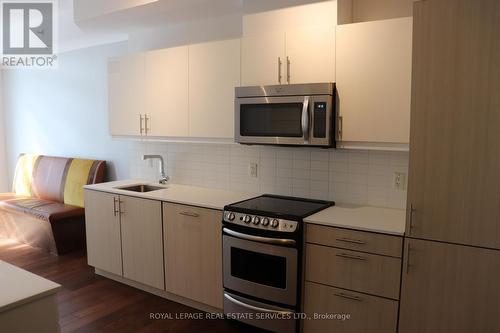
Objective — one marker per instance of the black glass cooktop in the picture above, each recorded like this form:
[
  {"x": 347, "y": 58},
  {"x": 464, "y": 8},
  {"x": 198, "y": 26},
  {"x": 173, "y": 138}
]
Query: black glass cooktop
[{"x": 273, "y": 205}]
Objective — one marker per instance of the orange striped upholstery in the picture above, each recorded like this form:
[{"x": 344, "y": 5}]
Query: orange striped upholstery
[{"x": 56, "y": 179}]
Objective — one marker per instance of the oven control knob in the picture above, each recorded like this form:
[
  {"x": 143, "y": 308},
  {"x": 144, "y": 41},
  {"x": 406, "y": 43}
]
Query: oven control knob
[
  {"x": 265, "y": 221},
  {"x": 256, "y": 220},
  {"x": 275, "y": 223},
  {"x": 231, "y": 216},
  {"x": 247, "y": 219}
]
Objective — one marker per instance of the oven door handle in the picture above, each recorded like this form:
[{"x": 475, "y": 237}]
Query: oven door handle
[
  {"x": 268, "y": 240},
  {"x": 305, "y": 119},
  {"x": 253, "y": 307}
]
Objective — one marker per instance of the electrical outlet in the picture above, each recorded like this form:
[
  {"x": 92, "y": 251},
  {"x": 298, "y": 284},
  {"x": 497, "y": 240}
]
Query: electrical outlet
[
  {"x": 399, "y": 181},
  {"x": 252, "y": 170}
]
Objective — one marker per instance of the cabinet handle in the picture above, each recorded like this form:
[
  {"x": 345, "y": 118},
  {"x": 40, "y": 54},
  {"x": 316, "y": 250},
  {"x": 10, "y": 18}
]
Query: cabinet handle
[
  {"x": 120, "y": 207},
  {"x": 354, "y": 298},
  {"x": 146, "y": 121},
  {"x": 288, "y": 75},
  {"x": 410, "y": 218},
  {"x": 189, "y": 214},
  {"x": 350, "y": 256},
  {"x": 115, "y": 210},
  {"x": 349, "y": 240},
  {"x": 341, "y": 125},
  {"x": 408, "y": 250},
  {"x": 140, "y": 124},
  {"x": 279, "y": 69}
]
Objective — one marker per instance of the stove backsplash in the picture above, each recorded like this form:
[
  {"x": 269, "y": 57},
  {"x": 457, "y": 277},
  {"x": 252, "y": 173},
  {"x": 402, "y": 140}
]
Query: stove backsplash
[{"x": 358, "y": 177}]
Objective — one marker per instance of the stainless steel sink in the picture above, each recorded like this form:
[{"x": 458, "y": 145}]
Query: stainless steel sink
[{"x": 141, "y": 188}]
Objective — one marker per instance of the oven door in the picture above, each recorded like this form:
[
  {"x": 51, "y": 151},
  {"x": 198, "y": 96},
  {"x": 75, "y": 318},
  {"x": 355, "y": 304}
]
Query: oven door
[{"x": 261, "y": 268}]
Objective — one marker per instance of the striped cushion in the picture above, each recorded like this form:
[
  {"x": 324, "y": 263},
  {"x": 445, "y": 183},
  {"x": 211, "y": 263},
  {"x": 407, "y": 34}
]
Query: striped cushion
[
  {"x": 56, "y": 179},
  {"x": 24, "y": 174},
  {"x": 80, "y": 173}
]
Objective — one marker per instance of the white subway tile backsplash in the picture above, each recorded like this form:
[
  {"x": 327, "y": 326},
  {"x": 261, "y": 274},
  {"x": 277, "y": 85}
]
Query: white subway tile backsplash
[{"x": 358, "y": 177}]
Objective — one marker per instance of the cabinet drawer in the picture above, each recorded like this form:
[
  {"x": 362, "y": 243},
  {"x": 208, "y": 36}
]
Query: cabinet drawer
[
  {"x": 366, "y": 313},
  {"x": 355, "y": 240},
  {"x": 369, "y": 273}
]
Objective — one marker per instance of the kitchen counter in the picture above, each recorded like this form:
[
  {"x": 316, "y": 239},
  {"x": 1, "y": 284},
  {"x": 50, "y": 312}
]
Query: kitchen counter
[
  {"x": 176, "y": 193},
  {"x": 374, "y": 219},
  {"x": 364, "y": 218},
  {"x": 19, "y": 287}
]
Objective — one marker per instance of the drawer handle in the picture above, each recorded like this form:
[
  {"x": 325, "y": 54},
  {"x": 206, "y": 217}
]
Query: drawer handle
[
  {"x": 189, "y": 214},
  {"x": 354, "y": 298},
  {"x": 350, "y": 240},
  {"x": 350, "y": 256}
]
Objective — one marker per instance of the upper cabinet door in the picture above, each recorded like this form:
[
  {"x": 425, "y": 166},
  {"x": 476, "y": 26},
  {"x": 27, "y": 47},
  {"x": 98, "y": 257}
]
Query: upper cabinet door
[
  {"x": 126, "y": 82},
  {"x": 214, "y": 72},
  {"x": 454, "y": 179},
  {"x": 167, "y": 92},
  {"x": 373, "y": 77},
  {"x": 310, "y": 55},
  {"x": 263, "y": 59}
]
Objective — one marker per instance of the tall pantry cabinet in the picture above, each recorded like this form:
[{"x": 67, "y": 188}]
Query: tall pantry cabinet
[{"x": 451, "y": 269}]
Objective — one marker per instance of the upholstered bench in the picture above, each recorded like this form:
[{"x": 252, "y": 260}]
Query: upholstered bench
[{"x": 45, "y": 208}]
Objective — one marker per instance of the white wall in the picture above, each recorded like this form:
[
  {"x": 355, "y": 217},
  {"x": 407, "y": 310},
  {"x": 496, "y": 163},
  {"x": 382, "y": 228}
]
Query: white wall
[
  {"x": 4, "y": 180},
  {"x": 63, "y": 112}
]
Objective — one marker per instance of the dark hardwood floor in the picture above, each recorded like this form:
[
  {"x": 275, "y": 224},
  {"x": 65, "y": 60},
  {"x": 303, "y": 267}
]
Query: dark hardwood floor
[{"x": 91, "y": 303}]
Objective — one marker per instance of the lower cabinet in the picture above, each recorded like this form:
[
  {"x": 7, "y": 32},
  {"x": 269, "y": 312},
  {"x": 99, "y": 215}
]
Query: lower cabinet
[
  {"x": 352, "y": 280},
  {"x": 124, "y": 236},
  {"x": 354, "y": 312},
  {"x": 193, "y": 253},
  {"x": 142, "y": 243},
  {"x": 449, "y": 288},
  {"x": 102, "y": 225}
]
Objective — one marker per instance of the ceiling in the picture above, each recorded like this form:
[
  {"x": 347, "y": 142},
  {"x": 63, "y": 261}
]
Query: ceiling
[{"x": 84, "y": 23}]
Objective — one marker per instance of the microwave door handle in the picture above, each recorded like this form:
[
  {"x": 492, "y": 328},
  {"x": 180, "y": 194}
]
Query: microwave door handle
[{"x": 305, "y": 119}]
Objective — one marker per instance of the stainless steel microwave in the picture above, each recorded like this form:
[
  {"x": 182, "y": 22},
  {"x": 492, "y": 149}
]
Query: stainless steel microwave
[{"x": 296, "y": 114}]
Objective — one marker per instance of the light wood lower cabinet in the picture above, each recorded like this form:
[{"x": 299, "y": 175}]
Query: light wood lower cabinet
[
  {"x": 351, "y": 273},
  {"x": 373, "y": 274},
  {"x": 142, "y": 243},
  {"x": 193, "y": 253},
  {"x": 355, "y": 240},
  {"x": 355, "y": 312},
  {"x": 124, "y": 236},
  {"x": 449, "y": 288},
  {"x": 102, "y": 223}
]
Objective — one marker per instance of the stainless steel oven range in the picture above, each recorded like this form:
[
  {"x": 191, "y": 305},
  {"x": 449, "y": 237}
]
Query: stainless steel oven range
[{"x": 262, "y": 259}]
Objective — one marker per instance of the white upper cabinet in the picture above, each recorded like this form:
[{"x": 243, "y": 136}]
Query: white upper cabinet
[
  {"x": 373, "y": 77},
  {"x": 263, "y": 59},
  {"x": 310, "y": 55},
  {"x": 126, "y": 81},
  {"x": 166, "y": 105},
  {"x": 304, "y": 55},
  {"x": 214, "y": 72},
  {"x": 291, "y": 45}
]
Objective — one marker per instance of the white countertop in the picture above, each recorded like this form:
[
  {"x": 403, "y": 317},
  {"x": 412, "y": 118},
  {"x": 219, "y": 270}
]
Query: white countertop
[
  {"x": 175, "y": 193},
  {"x": 374, "y": 219},
  {"x": 365, "y": 218},
  {"x": 18, "y": 287}
]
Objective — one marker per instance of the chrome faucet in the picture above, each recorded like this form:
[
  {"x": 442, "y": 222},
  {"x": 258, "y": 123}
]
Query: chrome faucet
[{"x": 164, "y": 178}]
